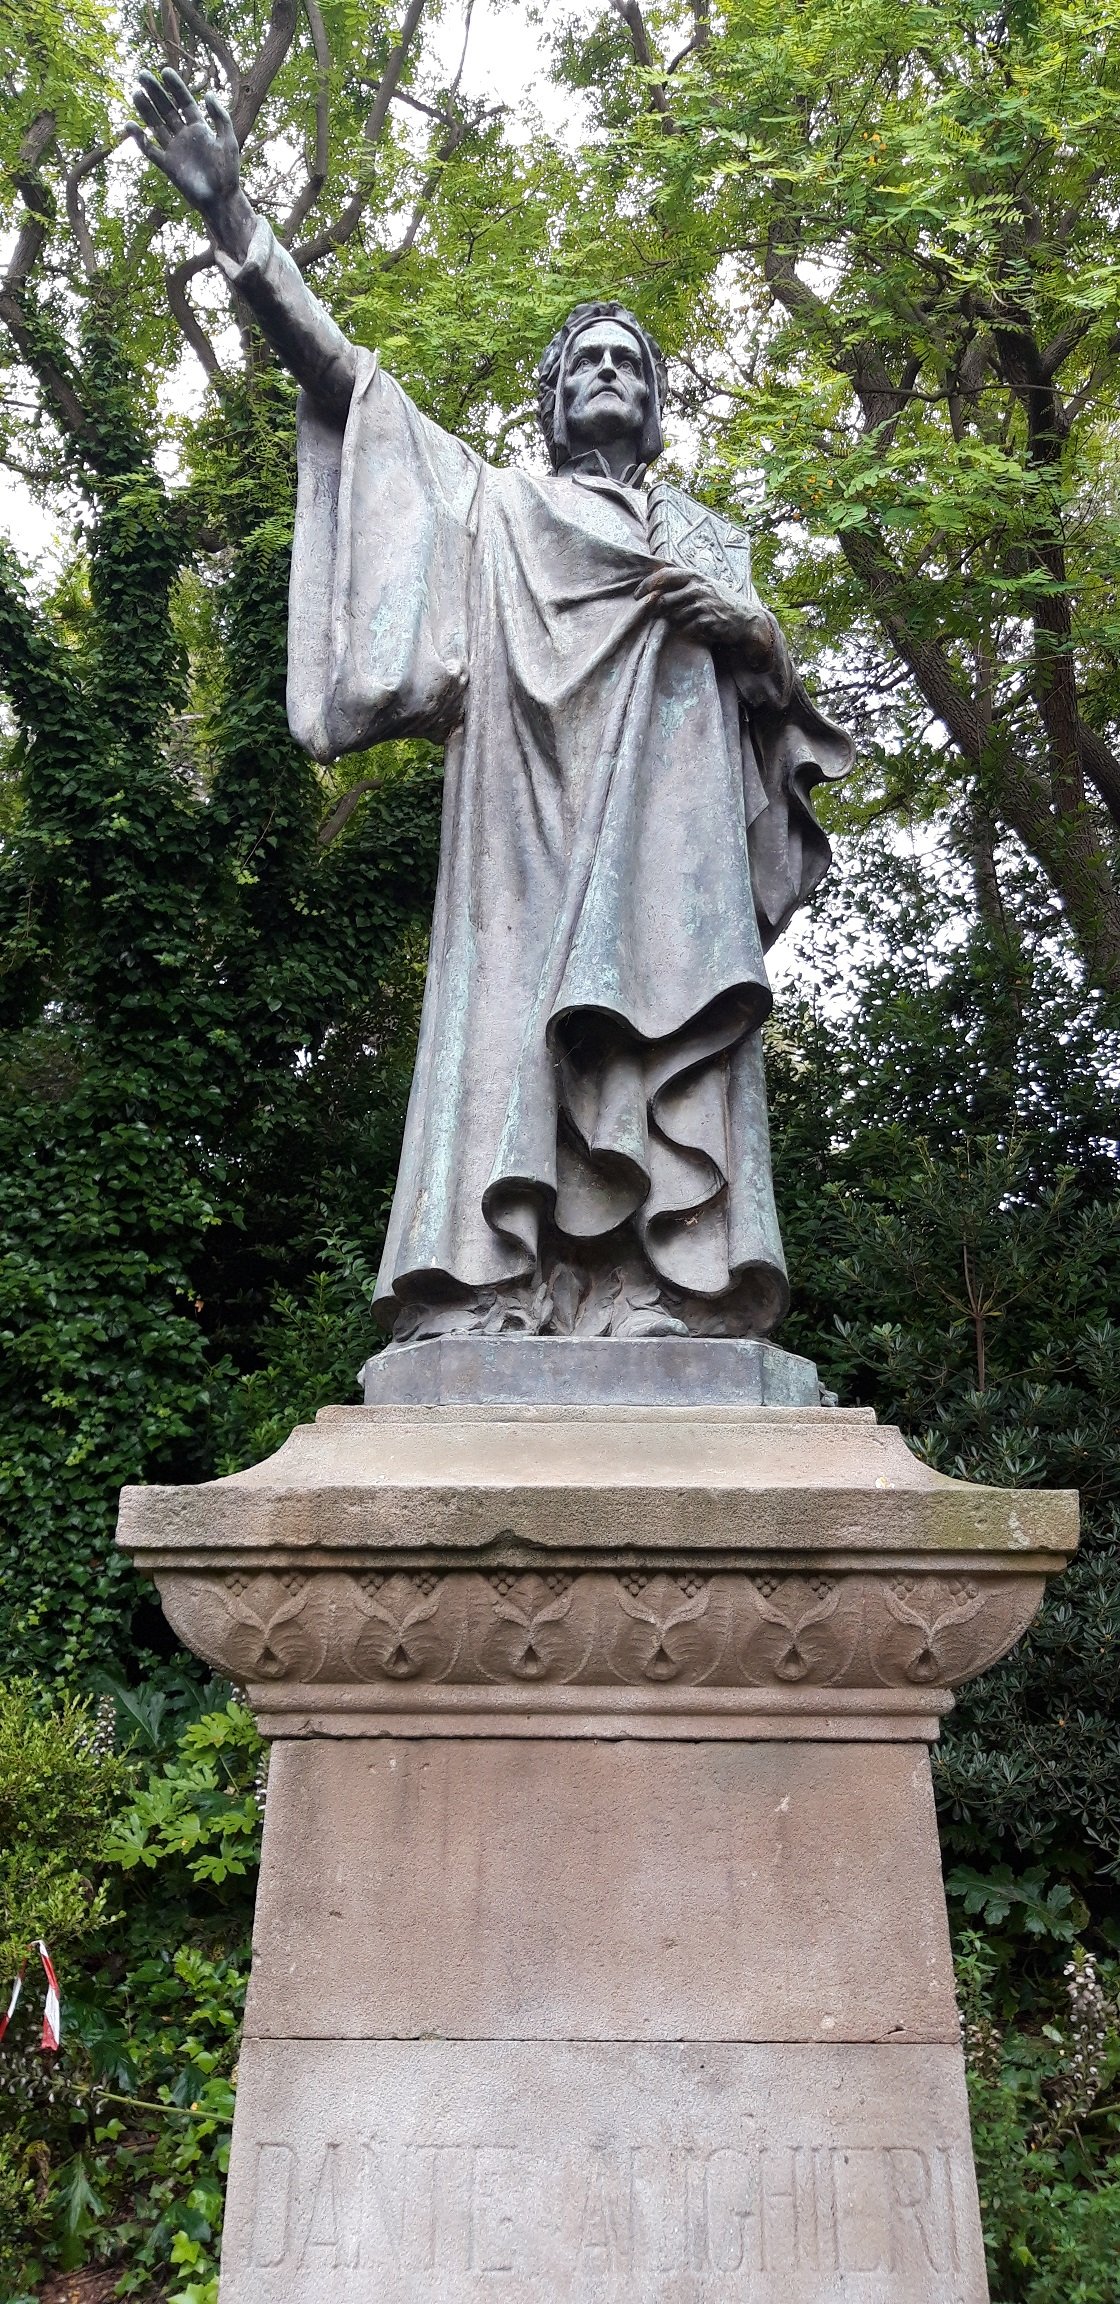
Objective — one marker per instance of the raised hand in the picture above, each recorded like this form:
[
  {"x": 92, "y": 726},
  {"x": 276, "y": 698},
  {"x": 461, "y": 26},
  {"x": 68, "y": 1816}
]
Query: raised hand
[
  {"x": 699, "y": 608},
  {"x": 200, "y": 157}
]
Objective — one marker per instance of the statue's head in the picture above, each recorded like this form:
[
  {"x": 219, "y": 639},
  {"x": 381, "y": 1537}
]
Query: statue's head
[{"x": 602, "y": 379}]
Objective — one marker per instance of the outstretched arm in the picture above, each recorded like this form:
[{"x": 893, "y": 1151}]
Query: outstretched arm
[{"x": 202, "y": 160}]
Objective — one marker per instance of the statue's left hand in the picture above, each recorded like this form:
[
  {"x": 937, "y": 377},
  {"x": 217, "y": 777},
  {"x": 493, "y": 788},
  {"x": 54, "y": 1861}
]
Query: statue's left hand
[{"x": 699, "y": 608}]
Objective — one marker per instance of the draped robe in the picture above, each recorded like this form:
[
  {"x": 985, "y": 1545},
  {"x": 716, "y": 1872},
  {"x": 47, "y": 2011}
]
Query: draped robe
[{"x": 626, "y": 826}]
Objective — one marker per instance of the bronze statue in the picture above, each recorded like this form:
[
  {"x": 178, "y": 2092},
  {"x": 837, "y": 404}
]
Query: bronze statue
[{"x": 627, "y": 821}]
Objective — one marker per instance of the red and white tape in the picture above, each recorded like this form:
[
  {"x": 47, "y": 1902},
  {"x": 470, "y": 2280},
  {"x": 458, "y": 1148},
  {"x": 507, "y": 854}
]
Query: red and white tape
[{"x": 52, "y": 2011}]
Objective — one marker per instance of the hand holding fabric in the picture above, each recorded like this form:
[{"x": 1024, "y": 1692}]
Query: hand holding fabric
[{"x": 687, "y": 600}]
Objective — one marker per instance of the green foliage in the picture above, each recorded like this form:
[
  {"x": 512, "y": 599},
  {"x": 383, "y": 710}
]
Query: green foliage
[
  {"x": 999, "y": 1897},
  {"x": 211, "y": 953},
  {"x": 118, "y": 2149},
  {"x": 58, "y": 1787},
  {"x": 202, "y": 1810},
  {"x": 882, "y": 244},
  {"x": 943, "y": 1119},
  {"x": 1046, "y": 2130},
  {"x": 204, "y": 1042},
  {"x": 310, "y": 1350},
  {"x": 48, "y": 66},
  {"x": 892, "y": 236},
  {"x": 56, "y": 1790}
]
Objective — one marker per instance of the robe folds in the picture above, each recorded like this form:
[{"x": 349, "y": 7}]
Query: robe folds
[{"x": 626, "y": 827}]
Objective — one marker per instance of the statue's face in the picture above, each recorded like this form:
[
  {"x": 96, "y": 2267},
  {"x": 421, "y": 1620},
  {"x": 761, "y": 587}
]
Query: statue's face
[{"x": 605, "y": 391}]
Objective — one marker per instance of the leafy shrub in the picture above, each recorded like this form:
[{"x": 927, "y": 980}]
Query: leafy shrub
[
  {"x": 58, "y": 1784},
  {"x": 944, "y": 1117},
  {"x": 1046, "y": 2131},
  {"x": 207, "y": 1018},
  {"x": 311, "y": 1349},
  {"x": 201, "y": 1813},
  {"x": 57, "y": 1788},
  {"x": 117, "y": 2150}
]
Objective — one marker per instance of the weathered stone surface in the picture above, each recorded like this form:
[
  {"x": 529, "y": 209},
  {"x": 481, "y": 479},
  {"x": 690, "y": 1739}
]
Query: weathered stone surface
[
  {"x": 378, "y": 1628},
  {"x": 594, "y": 1890},
  {"x": 592, "y": 1483},
  {"x": 650, "y": 1372},
  {"x": 575, "y": 2173},
  {"x": 601, "y": 1949},
  {"x": 614, "y": 1715}
]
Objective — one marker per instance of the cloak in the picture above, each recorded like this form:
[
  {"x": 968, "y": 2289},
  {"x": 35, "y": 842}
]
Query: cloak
[{"x": 627, "y": 826}]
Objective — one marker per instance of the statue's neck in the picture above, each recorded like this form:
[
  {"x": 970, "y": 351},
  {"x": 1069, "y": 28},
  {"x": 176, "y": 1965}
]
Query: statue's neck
[{"x": 614, "y": 462}]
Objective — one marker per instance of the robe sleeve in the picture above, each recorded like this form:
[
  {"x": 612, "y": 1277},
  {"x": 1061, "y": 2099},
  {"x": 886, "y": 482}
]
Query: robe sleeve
[
  {"x": 788, "y": 748},
  {"x": 385, "y": 504},
  {"x": 298, "y": 327},
  {"x": 378, "y": 602}
]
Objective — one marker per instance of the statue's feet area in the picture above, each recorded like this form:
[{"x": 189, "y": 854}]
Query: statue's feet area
[{"x": 611, "y": 1291}]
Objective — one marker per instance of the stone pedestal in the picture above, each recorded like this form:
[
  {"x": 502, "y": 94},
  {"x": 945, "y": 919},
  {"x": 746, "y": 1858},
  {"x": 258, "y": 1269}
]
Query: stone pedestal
[{"x": 601, "y": 1949}]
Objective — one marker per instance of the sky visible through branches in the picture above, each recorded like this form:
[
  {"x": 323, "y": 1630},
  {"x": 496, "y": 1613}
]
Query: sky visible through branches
[{"x": 506, "y": 63}]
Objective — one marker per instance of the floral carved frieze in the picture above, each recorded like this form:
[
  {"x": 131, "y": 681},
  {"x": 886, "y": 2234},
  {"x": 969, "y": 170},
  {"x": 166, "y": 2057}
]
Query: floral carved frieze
[{"x": 857, "y": 1629}]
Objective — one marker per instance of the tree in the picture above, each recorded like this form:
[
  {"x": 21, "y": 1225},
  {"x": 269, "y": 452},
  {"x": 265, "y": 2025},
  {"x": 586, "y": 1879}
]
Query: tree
[{"x": 893, "y": 236}]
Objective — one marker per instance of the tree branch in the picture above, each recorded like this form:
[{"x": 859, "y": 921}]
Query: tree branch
[
  {"x": 316, "y": 166},
  {"x": 343, "y": 809},
  {"x": 701, "y": 36},
  {"x": 1066, "y": 845},
  {"x": 36, "y": 144},
  {"x": 379, "y": 111},
  {"x": 1054, "y": 355},
  {"x": 14, "y": 315},
  {"x": 448, "y": 146},
  {"x": 175, "y": 282},
  {"x": 1100, "y": 371},
  {"x": 1022, "y": 368},
  {"x": 25, "y": 254},
  {"x": 75, "y": 205},
  {"x": 171, "y": 37},
  {"x": 219, "y": 47},
  {"x": 1101, "y": 766},
  {"x": 430, "y": 111},
  {"x": 257, "y": 81},
  {"x": 37, "y": 198},
  {"x": 59, "y": 390},
  {"x": 881, "y": 400},
  {"x": 645, "y": 55},
  {"x": 334, "y": 235}
]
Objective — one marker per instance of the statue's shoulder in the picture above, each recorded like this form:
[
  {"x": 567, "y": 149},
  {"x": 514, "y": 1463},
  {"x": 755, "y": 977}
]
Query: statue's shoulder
[{"x": 681, "y": 529}]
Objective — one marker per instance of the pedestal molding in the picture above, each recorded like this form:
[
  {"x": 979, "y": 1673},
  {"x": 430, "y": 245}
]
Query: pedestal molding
[
  {"x": 604, "y": 1481},
  {"x": 646, "y": 1715},
  {"x": 924, "y": 1625}
]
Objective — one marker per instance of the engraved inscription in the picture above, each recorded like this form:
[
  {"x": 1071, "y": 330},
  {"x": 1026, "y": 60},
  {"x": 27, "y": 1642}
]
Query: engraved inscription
[
  {"x": 272, "y": 2223},
  {"x": 611, "y": 2222}
]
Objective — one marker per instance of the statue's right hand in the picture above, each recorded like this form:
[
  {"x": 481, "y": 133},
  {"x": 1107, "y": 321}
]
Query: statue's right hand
[{"x": 201, "y": 159}]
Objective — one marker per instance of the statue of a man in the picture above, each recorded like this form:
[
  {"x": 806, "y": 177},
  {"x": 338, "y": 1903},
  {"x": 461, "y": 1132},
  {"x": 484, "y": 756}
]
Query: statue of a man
[{"x": 627, "y": 827}]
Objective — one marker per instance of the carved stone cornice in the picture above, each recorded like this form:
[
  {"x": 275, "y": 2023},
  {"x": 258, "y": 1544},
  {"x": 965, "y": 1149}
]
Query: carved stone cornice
[
  {"x": 920, "y": 1627},
  {"x": 434, "y": 1564}
]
